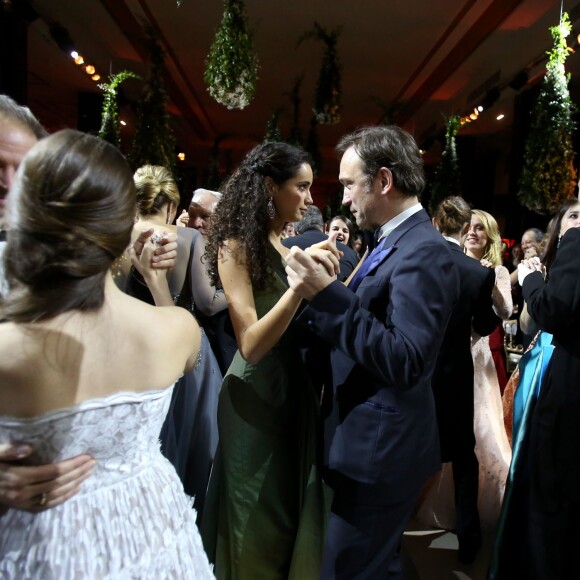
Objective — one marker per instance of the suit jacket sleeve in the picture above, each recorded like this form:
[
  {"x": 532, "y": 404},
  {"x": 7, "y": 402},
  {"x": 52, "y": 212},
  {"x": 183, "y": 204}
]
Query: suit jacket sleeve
[
  {"x": 395, "y": 344},
  {"x": 555, "y": 306},
  {"x": 484, "y": 319}
]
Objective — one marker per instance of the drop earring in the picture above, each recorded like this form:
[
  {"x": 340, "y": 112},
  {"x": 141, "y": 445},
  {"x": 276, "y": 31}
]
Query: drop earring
[{"x": 270, "y": 208}]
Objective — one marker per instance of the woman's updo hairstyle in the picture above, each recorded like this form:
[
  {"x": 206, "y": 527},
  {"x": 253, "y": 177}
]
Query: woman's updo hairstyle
[
  {"x": 70, "y": 213},
  {"x": 155, "y": 188},
  {"x": 451, "y": 215},
  {"x": 241, "y": 213}
]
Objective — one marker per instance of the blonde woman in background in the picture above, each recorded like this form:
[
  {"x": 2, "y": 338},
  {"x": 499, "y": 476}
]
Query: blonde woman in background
[
  {"x": 492, "y": 447},
  {"x": 189, "y": 435}
]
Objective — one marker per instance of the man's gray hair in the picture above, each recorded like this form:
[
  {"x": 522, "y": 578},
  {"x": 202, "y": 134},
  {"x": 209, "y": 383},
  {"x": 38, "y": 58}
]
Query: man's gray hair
[
  {"x": 11, "y": 110},
  {"x": 201, "y": 190},
  {"x": 311, "y": 220}
]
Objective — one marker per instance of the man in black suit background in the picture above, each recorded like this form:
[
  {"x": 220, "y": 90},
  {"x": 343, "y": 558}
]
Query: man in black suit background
[
  {"x": 311, "y": 231},
  {"x": 381, "y": 440},
  {"x": 453, "y": 377}
]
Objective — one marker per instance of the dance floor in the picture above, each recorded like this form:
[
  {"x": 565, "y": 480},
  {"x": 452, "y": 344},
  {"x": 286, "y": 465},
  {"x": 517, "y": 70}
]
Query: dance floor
[{"x": 432, "y": 555}]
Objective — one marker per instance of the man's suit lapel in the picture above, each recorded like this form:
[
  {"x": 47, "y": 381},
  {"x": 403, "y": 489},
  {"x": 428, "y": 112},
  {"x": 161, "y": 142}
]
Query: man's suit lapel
[{"x": 390, "y": 242}]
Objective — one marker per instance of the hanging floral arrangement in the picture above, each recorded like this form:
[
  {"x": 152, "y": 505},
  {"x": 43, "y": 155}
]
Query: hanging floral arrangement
[
  {"x": 231, "y": 67},
  {"x": 447, "y": 179},
  {"x": 110, "y": 130},
  {"x": 548, "y": 177},
  {"x": 328, "y": 100}
]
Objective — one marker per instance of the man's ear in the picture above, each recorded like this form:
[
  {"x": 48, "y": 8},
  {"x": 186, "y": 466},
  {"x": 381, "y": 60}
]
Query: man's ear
[
  {"x": 386, "y": 178},
  {"x": 465, "y": 229}
]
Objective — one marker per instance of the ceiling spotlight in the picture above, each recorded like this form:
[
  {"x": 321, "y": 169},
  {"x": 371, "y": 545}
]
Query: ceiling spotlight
[
  {"x": 500, "y": 117},
  {"x": 122, "y": 122},
  {"x": 96, "y": 78},
  {"x": 79, "y": 60},
  {"x": 473, "y": 116},
  {"x": 74, "y": 54},
  {"x": 480, "y": 108},
  {"x": 181, "y": 156},
  {"x": 90, "y": 69}
]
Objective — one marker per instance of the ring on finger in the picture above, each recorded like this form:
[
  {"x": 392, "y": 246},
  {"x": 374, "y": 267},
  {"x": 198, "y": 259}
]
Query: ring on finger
[{"x": 42, "y": 499}]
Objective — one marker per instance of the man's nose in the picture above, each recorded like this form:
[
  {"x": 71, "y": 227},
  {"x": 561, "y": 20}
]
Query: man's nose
[{"x": 346, "y": 198}]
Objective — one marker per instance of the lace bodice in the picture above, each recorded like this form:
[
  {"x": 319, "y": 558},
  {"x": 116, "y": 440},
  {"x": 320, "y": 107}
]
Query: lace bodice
[
  {"x": 131, "y": 518},
  {"x": 120, "y": 431}
]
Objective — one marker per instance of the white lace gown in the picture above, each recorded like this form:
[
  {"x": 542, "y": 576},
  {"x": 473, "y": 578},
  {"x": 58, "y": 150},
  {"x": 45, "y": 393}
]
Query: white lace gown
[
  {"x": 131, "y": 518},
  {"x": 492, "y": 447}
]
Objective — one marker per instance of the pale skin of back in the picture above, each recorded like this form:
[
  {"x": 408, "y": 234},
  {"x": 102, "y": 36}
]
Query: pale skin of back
[{"x": 75, "y": 357}]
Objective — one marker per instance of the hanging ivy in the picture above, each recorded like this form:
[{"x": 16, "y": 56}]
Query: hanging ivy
[
  {"x": 447, "y": 180},
  {"x": 328, "y": 100},
  {"x": 154, "y": 142},
  {"x": 273, "y": 132},
  {"x": 389, "y": 110},
  {"x": 295, "y": 137},
  {"x": 231, "y": 67},
  {"x": 548, "y": 176},
  {"x": 110, "y": 130},
  {"x": 312, "y": 144}
]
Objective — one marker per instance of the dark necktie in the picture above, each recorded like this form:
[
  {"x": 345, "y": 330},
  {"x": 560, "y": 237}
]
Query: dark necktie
[
  {"x": 2, "y": 235},
  {"x": 375, "y": 257}
]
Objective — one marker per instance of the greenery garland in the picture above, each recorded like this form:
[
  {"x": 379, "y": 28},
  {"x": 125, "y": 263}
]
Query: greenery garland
[
  {"x": 328, "y": 100},
  {"x": 110, "y": 130},
  {"x": 231, "y": 67},
  {"x": 295, "y": 137},
  {"x": 447, "y": 180},
  {"x": 154, "y": 142},
  {"x": 548, "y": 176},
  {"x": 273, "y": 132}
]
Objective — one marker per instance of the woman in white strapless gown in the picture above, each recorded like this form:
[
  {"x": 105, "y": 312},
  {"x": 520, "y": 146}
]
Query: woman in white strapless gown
[{"x": 86, "y": 369}]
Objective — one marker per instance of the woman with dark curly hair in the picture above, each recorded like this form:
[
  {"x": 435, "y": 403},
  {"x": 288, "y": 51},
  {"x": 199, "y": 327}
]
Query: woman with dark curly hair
[{"x": 267, "y": 496}]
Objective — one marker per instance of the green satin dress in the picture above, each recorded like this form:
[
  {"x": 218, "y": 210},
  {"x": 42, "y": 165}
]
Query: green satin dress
[{"x": 267, "y": 504}]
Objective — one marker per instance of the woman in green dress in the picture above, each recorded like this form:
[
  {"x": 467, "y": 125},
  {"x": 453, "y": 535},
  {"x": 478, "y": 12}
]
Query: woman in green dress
[{"x": 266, "y": 512}]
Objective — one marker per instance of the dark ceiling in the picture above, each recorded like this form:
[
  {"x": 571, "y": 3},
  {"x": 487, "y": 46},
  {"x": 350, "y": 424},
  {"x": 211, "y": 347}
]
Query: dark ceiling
[{"x": 434, "y": 58}]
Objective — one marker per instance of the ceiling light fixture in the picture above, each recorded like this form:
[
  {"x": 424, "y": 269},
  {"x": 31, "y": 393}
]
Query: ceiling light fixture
[{"x": 500, "y": 116}]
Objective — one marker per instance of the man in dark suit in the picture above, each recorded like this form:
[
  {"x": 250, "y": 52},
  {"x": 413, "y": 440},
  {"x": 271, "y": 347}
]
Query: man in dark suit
[
  {"x": 310, "y": 232},
  {"x": 453, "y": 377},
  {"x": 381, "y": 440}
]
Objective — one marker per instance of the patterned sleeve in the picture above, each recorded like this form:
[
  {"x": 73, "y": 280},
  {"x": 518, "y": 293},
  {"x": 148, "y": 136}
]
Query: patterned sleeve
[
  {"x": 501, "y": 293},
  {"x": 205, "y": 296}
]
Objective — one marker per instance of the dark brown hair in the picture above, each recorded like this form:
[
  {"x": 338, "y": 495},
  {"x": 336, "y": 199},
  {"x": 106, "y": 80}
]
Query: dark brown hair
[
  {"x": 451, "y": 215},
  {"x": 549, "y": 253},
  {"x": 241, "y": 212},
  {"x": 70, "y": 214},
  {"x": 392, "y": 147}
]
